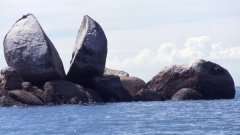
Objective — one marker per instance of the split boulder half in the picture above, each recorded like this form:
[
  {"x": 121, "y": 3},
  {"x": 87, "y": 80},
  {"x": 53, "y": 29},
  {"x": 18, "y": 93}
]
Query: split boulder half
[
  {"x": 89, "y": 54},
  {"x": 29, "y": 51},
  {"x": 209, "y": 79}
]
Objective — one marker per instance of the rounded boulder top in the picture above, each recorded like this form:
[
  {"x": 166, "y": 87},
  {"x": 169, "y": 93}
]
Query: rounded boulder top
[
  {"x": 90, "y": 52},
  {"x": 29, "y": 51},
  {"x": 209, "y": 79}
]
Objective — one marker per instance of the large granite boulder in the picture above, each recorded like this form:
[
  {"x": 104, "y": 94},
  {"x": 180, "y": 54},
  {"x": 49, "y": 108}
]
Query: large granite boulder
[
  {"x": 64, "y": 92},
  {"x": 133, "y": 84},
  {"x": 209, "y": 79},
  {"x": 119, "y": 73},
  {"x": 111, "y": 89},
  {"x": 187, "y": 94},
  {"x": 10, "y": 79},
  {"x": 148, "y": 95},
  {"x": 89, "y": 54},
  {"x": 29, "y": 51}
]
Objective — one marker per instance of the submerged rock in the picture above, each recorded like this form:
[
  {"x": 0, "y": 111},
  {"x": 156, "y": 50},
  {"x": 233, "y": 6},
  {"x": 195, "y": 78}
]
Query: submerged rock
[
  {"x": 209, "y": 79},
  {"x": 89, "y": 54},
  {"x": 10, "y": 79},
  {"x": 186, "y": 94},
  {"x": 29, "y": 51}
]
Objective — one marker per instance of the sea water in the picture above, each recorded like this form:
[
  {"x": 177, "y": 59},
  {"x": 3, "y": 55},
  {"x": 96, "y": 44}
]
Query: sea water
[{"x": 163, "y": 117}]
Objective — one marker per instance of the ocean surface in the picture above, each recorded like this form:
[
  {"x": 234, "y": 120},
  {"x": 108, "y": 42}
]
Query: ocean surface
[{"x": 164, "y": 117}]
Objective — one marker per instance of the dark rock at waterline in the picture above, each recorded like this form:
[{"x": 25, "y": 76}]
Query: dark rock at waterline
[
  {"x": 29, "y": 51},
  {"x": 133, "y": 84},
  {"x": 148, "y": 95},
  {"x": 49, "y": 95},
  {"x": 64, "y": 92},
  {"x": 7, "y": 101},
  {"x": 119, "y": 73},
  {"x": 10, "y": 79},
  {"x": 24, "y": 97},
  {"x": 209, "y": 79},
  {"x": 89, "y": 54},
  {"x": 111, "y": 89},
  {"x": 93, "y": 96},
  {"x": 130, "y": 83},
  {"x": 187, "y": 94}
]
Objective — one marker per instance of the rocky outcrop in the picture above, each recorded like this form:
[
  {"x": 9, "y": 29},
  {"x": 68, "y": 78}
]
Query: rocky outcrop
[
  {"x": 10, "y": 79},
  {"x": 133, "y": 84},
  {"x": 26, "y": 98},
  {"x": 187, "y": 94},
  {"x": 119, "y": 73},
  {"x": 36, "y": 76},
  {"x": 89, "y": 54},
  {"x": 1, "y": 78},
  {"x": 209, "y": 79},
  {"x": 148, "y": 95},
  {"x": 27, "y": 86},
  {"x": 29, "y": 51},
  {"x": 93, "y": 96},
  {"x": 111, "y": 89},
  {"x": 6, "y": 101},
  {"x": 64, "y": 92},
  {"x": 130, "y": 83}
]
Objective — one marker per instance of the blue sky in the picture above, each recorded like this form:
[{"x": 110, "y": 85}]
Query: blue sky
[{"x": 143, "y": 36}]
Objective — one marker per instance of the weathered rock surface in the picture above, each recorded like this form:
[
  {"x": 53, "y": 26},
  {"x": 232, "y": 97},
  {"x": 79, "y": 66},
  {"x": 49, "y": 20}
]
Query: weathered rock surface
[
  {"x": 93, "y": 96},
  {"x": 130, "y": 83},
  {"x": 64, "y": 92},
  {"x": 133, "y": 84},
  {"x": 187, "y": 94},
  {"x": 29, "y": 51},
  {"x": 89, "y": 54},
  {"x": 7, "y": 101},
  {"x": 119, "y": 73},
  {"x": 148, "y": 95},
  {"x": 25, "y": 97},
  {"x": 10, "y": 79},
  {"x": 111, "y": 89},
  {"x": 1, "y": 78},
  {"x": 209, "y": 79},
  {"x": 27, "y": 86}
]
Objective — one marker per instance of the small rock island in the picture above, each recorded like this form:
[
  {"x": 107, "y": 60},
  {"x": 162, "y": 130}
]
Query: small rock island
[{"x": 35, "y": 74}]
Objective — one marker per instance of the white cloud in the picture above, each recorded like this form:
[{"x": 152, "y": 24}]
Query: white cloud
[
  {"x": 153, "y": 60},
  {"x": 195, "y": 48}
]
